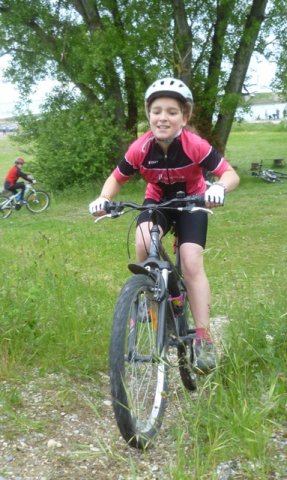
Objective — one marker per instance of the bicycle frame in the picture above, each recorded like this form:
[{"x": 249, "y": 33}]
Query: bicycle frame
[
  {"x": 29, "y": 188},
  {"x": 146, "y": 326},
  {"x": 159, "y": 266},
  {"x": 269, "y": 175},
  {"x": 15, "y": 196},
  {"x": 160, "y": 271}
]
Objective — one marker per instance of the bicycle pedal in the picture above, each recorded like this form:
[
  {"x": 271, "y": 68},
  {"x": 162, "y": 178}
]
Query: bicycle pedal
[
  {"x": 173, "y": 341},
  {"x": 191, "y": 331}
]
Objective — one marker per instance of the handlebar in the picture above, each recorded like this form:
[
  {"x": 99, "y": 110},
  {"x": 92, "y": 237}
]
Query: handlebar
[
  {"x": 191, "y": 203},
  {"x": 177, "y": 203}
]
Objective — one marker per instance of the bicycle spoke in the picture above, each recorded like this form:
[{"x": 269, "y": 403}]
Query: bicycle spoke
[
  {"x": 5, "y": 207},
  {"x": 37, "y": 201}
]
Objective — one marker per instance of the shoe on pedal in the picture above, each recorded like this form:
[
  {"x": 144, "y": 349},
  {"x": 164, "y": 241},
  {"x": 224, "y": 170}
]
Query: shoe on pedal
[{"x": 205, "y": 357}]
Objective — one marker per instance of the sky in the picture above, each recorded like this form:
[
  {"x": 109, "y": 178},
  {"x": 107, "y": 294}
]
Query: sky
[{"x": 260, "y": 70}]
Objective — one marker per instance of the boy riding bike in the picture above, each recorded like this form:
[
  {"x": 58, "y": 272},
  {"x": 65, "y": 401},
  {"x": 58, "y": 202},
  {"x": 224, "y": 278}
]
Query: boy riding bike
[
  {"x": 11, "y": 180},
  {"x": 172, "y": 158}
]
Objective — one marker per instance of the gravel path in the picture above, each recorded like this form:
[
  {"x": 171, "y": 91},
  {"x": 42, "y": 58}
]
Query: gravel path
[
  {"x": 56, "y": 429},
  {"x": 69, "y": 432}
]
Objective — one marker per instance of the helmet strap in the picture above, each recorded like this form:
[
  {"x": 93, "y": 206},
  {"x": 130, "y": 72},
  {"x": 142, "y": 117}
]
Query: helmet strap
[{"x": 170, "y": 139}]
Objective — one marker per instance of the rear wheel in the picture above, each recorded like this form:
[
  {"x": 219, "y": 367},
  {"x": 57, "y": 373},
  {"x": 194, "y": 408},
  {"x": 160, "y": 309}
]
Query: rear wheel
[
  {"x": 281, "y": 175},
  {"x": 138, "y": 372},
  {"x": 5, "y": 207},
  {"x": 38, "y": 201}
]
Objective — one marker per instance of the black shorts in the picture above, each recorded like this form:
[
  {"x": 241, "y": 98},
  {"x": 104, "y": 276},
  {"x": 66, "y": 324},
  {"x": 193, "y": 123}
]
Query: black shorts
[{"x": 190, "y": 227}]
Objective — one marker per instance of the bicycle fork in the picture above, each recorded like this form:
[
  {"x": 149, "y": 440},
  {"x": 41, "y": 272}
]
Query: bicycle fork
[{"x": 161, "y": 296}]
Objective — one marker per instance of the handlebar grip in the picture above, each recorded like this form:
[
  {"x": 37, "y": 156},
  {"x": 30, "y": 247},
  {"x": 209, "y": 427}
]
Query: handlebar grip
[
  {"x": 199, "y": 200},
  {"x": 107, "y": 207},
  {"x": 113, "y": 207}
]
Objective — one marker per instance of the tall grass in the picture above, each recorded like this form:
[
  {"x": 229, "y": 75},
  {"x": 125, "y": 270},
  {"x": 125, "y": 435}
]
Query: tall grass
[{"x": 62, "y": 273}]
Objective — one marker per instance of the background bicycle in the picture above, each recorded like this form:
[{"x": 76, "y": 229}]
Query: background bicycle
[
  {"x": 36, "y": 201},
  {"x": 151, "y": 325},
  {"x": 268, "y": 175}
]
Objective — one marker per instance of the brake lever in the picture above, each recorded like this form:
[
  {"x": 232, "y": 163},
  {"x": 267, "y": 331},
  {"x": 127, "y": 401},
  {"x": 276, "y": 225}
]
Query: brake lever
[
  {"x": 98, "y": 219},
  {"x": 108, "y": 215},
  {"x": 200, "y": 209}
]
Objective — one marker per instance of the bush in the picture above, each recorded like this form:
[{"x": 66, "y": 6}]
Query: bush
[{"x": 73, "y": 143}]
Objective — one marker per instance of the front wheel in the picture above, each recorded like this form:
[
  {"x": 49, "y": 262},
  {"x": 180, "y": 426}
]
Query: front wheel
[
  {"x": 37, "y": 201},
  {"x": 138, "y": 371},
  {"x": 185, "y": 350},
  {"x": 6, "y": 207}
]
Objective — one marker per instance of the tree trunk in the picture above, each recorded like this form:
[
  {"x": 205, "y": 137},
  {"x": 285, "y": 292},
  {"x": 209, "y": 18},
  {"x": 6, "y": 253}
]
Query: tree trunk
[
  {"x": 204, "y": 110},
  {"x": 241, "y": 62},
  {"x": 182, "y": 43}
]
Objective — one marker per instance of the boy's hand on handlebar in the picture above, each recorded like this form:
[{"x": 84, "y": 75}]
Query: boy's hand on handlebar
[
  {"x": 214, "y": 195},
  {"x": 97, "y": 207}
]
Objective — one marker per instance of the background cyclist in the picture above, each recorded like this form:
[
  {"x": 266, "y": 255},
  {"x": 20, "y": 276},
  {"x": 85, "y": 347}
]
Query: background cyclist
[
  {"x": 172, "y": 158},
  {"x": 11, "y": 180}
]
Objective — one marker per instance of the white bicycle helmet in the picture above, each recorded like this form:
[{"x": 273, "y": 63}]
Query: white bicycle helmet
[{"x": 171, "y": 87}]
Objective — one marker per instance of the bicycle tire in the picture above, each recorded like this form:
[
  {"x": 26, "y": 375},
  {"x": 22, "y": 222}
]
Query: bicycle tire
[
  {"x": 269, "y": 177},
  {"x": 138, "y": 373},
  {"x": 185, "y": 352},
  {"x": 37, "y": 201},
  {"x": 281, "y": 175},
  {"x": 6, "y": 211}
]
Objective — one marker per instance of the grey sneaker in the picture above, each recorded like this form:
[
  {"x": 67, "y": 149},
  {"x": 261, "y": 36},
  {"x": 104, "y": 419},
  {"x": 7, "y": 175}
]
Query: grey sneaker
[{"x": 205, "y": 357}]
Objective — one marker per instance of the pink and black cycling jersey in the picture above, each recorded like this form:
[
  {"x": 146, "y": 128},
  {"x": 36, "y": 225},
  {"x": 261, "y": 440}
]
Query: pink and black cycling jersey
[{"x": 181, "y": 169}]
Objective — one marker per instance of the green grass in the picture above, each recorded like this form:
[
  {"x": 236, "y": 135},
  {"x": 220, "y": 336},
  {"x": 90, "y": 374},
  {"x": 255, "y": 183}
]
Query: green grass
[
  {"x": 250, "y": 143},
  {"x": 62, "y": 273}
]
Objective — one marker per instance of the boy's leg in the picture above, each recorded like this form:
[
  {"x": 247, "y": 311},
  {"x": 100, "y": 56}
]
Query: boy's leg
[
  {"x": 20, "y": 186},
  {"x": 192, "y": 238}
]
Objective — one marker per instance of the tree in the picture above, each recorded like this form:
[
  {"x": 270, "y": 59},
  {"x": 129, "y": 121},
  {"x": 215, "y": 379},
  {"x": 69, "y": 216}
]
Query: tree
[
  {"x": 276, "y": 48},
  {"x": 109, "y": 51}
]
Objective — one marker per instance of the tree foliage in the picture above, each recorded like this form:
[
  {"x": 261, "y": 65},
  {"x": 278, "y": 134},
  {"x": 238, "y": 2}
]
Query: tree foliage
[{"x": 106, "y": 53}]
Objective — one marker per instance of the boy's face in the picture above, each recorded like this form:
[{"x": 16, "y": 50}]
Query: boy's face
[{"x": 166, "y": 118}]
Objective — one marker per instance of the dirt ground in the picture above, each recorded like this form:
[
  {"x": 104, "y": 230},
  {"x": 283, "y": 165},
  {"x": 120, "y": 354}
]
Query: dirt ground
[{"x": 56, "y": 429}]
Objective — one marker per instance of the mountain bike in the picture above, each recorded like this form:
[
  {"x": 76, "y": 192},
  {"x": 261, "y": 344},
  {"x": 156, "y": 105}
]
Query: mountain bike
[
  {"x": 269, "y": 175},
  {"x": 36, "y": 201},
  {"x": 151, "y": 320}
]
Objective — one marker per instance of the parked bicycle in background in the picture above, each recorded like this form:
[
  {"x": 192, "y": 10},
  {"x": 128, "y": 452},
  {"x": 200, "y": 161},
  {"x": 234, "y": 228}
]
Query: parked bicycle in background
[{"x": 268, "y": 175}]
